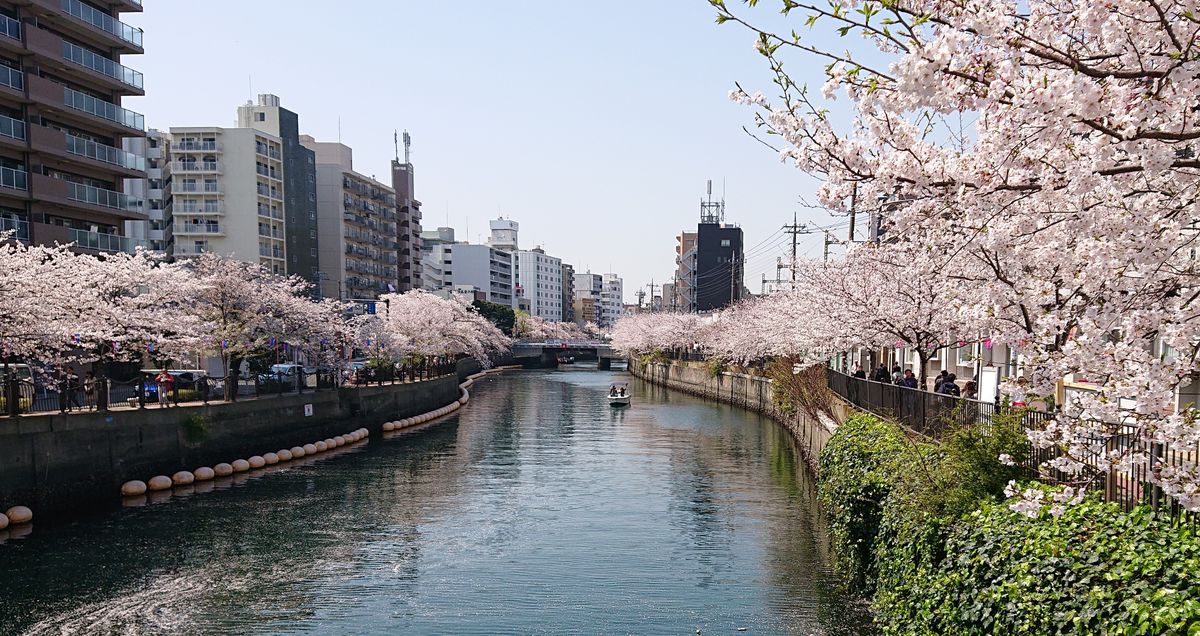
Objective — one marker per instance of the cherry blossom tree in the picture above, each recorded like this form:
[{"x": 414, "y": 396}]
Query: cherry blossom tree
[
  {"x": 420, "y": 323},
  {"x": 537, "y": 328},
  {"x": 1045, "y": 151}
]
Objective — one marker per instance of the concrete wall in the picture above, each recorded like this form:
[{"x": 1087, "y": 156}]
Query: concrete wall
[
  {"x": 64, "y": 463},
  {"x": 751, "y": 392}
]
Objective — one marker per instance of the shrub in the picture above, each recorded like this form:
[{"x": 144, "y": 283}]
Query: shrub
[
  {"x": 857, "y": 472},
  {"x": 195, "y": 427},
  {"x": 715, "y": 367},
  {"x": 1095, "y": 569},
  {"x": 806, "y": 390}
]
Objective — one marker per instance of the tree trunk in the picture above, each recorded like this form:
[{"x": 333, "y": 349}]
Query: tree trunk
[
  {"x": 232, "y": 364},
  {"x": 923, "y": 372}
]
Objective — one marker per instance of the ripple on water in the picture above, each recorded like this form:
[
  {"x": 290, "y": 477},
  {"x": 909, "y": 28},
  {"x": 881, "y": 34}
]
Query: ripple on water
[{"x": 535, "y": 509}]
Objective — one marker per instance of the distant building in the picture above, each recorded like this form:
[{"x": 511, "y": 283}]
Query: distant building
[
  {"x": 451, "y": 266},
  {"x": 299, "y": 185},
  {"x": 568, "y": 293},
  {"x": 540, "y": 277},
  {"x": 612, "y": 299},
  {"x": 153, "y": 233},
  {"x": 683, "y": 297},
  {"x": 408, "y": 210},
  {"x": 719, "y": 266},
  {"x": 356, "y": 218}
]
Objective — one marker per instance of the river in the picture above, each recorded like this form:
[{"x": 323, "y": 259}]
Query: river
[{"x": 535, "y": 509}]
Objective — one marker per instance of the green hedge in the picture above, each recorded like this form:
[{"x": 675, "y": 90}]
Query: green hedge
[{"x": 921, "y": 528}]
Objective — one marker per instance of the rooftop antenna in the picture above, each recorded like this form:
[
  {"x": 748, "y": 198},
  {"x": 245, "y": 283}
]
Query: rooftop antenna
[
  {"x": 396, "y": 142},
  {"x": 712, "y": 211},
  {"x": 339, "y": 129},
  {"x": 407, "y": 147}
]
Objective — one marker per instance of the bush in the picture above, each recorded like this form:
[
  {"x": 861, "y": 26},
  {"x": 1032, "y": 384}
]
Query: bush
[
  {"x": 1095, "y": 569},
  {"x": 857, "y": 472},
  {"x": 805, "y": 389},
  {"x": 715, "y": 367}
]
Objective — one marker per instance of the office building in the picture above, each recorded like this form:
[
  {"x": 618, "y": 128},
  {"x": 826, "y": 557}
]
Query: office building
[
  {"x": 63, "y": 130},
  {"x": 454, "y": 266},
  {"x": 540, "y": 279},
  {"x": 356, "y": 220},
  {"x": 612, "y": 299},
  {"x": 719, "y": 266}
]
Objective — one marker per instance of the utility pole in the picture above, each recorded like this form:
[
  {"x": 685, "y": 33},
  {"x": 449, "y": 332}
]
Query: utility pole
[
  {"x": 828, "y": 241},
  {"x": 652, "y": 288},
  {"x": 853, "y": 210},
  {"x": 641, "y": 295},
  {"x": 795, "y": 229}
]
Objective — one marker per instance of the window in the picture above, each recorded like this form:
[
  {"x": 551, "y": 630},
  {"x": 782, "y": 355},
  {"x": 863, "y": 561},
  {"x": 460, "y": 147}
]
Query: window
[
  {"x": 724, "y": 242},
  {"x": 261, "y": 116}
]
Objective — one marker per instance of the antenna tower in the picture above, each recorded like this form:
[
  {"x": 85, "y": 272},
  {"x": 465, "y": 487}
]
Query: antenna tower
[{"x": 712, "y": 211}]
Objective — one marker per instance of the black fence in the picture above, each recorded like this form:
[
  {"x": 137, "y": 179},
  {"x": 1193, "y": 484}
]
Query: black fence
[
  {"x": 33, "y": 393},
  {"x": 933, "y": 415}
]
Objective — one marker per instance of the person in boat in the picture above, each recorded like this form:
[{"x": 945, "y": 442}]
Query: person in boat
[
  {"x": 621, "y": 392},
  {"x": 612, "y": 391}
]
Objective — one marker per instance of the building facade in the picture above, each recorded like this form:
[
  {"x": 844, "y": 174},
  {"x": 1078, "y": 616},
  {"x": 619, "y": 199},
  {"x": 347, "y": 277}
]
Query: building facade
[
  {"x": 356, "y": 219},
  {"x": 63, "y": 130},
  {"x": 683, "y": 296},
  {"x": 408, "y": 216},
  {"x": 299, "y": 182},
  {"x": 155, "y": 191},
  {"x": 228, "y": 194},
  {"x": 720, "y": 264},
  {"x": 612, "y": 300},
  {"x": 453, "y": 267},
  {"x": 568, "y": 293},
  {"x": 540, "y": 277}
]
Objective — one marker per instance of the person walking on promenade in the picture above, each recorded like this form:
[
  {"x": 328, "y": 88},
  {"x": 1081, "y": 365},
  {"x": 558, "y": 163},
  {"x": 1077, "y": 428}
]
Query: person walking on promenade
[
  {"x": 165, "y": 382},
  {"x": 859, "y": 373},
  {"x": 937, "y": 382},
  {"x": 909, "y": 380},
  {"x": 68, "y": 384},
  {"x": 882, "y": 375},
  {"x": 897, "y": 374},
  {"x": 89, "y": 390},
  {"x": 950, "y": 387},
  {"x": 971, "y": 390}
]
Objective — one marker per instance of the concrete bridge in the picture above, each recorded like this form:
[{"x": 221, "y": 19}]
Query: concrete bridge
[{"x": 546, "y": 352}]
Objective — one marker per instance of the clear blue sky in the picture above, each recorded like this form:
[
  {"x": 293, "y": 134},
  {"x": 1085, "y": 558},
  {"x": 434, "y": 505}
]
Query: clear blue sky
[{"x": 593, "y": 125}]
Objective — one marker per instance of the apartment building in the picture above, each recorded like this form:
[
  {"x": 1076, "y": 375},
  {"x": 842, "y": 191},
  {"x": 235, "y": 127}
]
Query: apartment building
[
  {"x": 683, "y": 296},
  {"x": 408, "y": 216},
  {"x": 568, "y": 293},
  {"x": 228, "y": 194},
  {"x": 540, "y": 279},
  {"x": 63, "y": 163},
  {"x": 357, "y": 222},
  {"x": 455, "y": 266},
  {"x": 299, "y": 182},
  {"x": 155, "y": 190},
  {"x": 612, "y": 299}
]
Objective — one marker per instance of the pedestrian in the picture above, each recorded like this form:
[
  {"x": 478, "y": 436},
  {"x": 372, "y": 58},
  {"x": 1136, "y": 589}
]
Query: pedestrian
[
  {"x": 950, "y": 387},
  {"x": 165, "y": 382},
  {"x": 89, "y": 390},
  {"x": 909, "y": 380},
  {"x": 202, "y": 386},
  {"x": 66, "y": 389},
  {"x": 882, "y": 375},
  {"x": 971, "y": 390},
  {"x": 859, "y": 373},
  {"x": 897, "y": 375},
  {"x": 938, "y": 381}
]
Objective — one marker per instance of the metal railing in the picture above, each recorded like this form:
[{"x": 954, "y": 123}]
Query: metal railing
[
  {"x": 103, "y": 198},
  {"x": 102, "y": 65},
  {"x": 13, "y": 178},
  {"x": 19, "y": 227},
  {"x": 197, "y": 146},
  {"x": 12, "y": 128},
  {"x": 12, "y": 77},
  {"x": 934, "y": 415},
  {"x": 102, "y": 21},
  {"x": 104, "y": 153},
  {"x": 107, "y": 242},
  {"x": 102, "y": 109}
]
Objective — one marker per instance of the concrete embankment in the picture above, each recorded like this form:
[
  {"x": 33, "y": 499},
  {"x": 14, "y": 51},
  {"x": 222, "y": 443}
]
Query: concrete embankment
[
  {"x": 752, "y": 392},
  {"x": 66, "y": 463}
]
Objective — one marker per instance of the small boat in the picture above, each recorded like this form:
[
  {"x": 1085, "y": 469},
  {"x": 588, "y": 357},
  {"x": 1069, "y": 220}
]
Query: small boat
[{"x": 618, "y": 394}]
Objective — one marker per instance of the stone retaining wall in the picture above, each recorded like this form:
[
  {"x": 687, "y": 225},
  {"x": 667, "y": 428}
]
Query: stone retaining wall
[
  {"x": 751, "y": 392},
  {"x": 60, "y": 463}
]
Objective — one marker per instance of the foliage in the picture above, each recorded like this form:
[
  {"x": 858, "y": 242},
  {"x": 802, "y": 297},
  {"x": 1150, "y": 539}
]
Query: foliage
[
  {"x": 798, "y": 387},
  {"x": 714, "y": 367},
  {"x": 503, "y": 317},
  {"x": 857, "y": 472},
  {"x": 1094, "y": 569},
  {"x": 195, "y": 427},
  {"x": 420, "y": 323}
]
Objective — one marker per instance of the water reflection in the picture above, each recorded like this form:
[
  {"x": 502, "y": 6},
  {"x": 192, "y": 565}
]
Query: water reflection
[{"x": 537, "y": 508}]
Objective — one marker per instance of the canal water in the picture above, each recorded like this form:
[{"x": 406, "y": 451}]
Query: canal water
[{"x": 535, "y": 509}]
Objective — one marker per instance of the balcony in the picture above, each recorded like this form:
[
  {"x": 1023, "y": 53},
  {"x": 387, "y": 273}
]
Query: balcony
[
  {"x": 102, "y": 65},
  {"x": 103, "y": 198},
  {"x": 193, "y": 229},
  {"x": 19, "y": 227},
  {"x": 12, "y": 78},
  {"x": 195, "y": 166},
  {"x": 10, "y": 28},
  {"x": 14, "y": 179},
  {"x": 270, "y": 252},
  {"x": 12, "y": 128},
  {"x": 106, "y": 242},
  {"x": 270, "y": 193},
  {"x": 207, "y": 208},
  {"x": 102, "y": 109},
  {"x": 275, "y": 233},
  {"x": 197, "y": 146},
  {"x": 104, "y": 22},
  {"x": 102, "y": 153}
]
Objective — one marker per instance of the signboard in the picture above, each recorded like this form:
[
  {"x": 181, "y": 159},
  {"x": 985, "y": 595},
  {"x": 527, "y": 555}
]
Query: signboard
[
  {"x": 989, "y": 384},
  {"x": 308, "y": 411}
]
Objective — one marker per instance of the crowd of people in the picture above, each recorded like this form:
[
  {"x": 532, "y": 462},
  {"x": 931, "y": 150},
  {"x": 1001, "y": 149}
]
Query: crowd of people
[{"x": 945, "y": 383}]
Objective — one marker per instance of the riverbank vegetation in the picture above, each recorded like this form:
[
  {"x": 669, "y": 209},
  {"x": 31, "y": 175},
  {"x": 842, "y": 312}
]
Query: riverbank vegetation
[{"x": 921, "y": 529}]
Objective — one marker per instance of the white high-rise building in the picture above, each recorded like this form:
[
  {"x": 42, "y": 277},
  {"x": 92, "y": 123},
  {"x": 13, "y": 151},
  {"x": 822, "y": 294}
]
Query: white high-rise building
[
  {"x": 612, "y": 300},
  {"x": 228, "y": 194},
  {"x": 450, "y": 266},
  {"x": 540, "y": 279}
]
